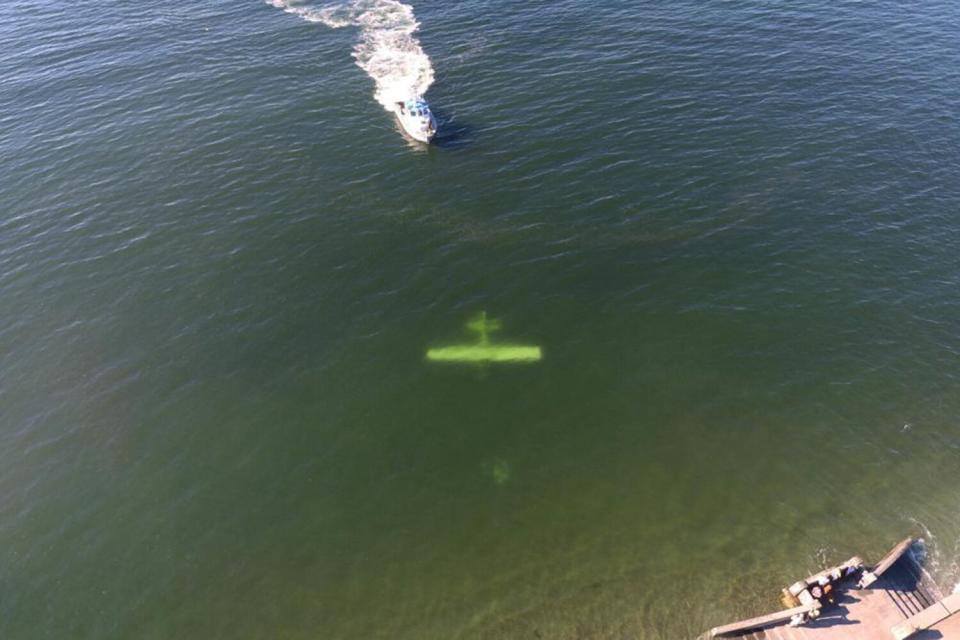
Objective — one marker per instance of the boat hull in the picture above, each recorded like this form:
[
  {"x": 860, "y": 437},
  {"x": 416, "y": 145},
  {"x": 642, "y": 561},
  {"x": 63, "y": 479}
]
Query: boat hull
[{"x": 414, "y": 131}]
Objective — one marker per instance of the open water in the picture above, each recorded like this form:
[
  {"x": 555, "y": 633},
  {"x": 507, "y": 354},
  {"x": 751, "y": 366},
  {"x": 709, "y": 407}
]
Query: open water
[{"x": 732, "y": 227}]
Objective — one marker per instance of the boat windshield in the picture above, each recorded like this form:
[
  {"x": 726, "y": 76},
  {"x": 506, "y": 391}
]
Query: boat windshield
[{"x": 418, "y": 109}]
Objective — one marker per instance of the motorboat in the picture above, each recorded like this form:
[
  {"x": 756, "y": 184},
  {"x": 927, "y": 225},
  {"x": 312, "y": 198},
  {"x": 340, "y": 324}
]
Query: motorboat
[{"x": 416, "y": 118}]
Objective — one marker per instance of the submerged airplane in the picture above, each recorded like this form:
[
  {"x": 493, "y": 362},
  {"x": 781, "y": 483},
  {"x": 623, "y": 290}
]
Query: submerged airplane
[{"x": 484, "y": 351}]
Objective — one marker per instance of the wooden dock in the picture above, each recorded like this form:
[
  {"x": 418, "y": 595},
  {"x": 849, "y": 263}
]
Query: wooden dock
[{"x": 898, "y": 600}]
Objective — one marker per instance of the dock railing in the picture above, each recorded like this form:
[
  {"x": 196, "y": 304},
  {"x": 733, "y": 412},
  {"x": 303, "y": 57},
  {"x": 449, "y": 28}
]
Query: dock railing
[
  {"x": 762, "y": 622},
  {"x": 869, "y": 577}
]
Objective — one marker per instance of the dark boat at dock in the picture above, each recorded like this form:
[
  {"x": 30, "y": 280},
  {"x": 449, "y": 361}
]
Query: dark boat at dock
[{"x": 894, "y": 599}]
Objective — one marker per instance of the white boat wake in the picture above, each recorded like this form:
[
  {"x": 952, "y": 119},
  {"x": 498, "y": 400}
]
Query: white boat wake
[{"x": 386, "y": 47}]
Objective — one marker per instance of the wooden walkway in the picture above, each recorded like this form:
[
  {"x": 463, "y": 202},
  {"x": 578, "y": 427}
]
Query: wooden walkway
[{"x": 903, "y": 603}]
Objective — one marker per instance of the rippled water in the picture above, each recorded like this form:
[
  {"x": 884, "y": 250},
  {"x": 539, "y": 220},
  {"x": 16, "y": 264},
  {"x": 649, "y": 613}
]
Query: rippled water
[{"x": 732, "y": 227}]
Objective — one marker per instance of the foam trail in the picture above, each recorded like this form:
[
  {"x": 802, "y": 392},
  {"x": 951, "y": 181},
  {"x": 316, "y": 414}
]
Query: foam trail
[{"x": 386, "y": 47}]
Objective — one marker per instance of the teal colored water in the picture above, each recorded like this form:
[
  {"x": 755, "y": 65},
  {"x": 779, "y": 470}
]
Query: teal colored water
[{"x": 731, "y": 227}]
